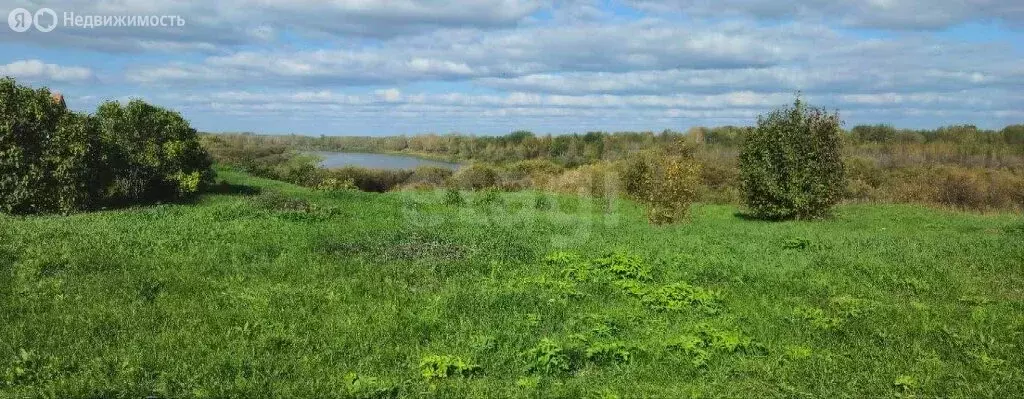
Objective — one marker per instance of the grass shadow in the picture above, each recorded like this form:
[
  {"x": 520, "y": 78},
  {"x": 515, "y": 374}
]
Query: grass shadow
[
  {"x": 222, "y": 188},
  {"x": 225, "y": 188},
  {"x": 746, "y": 216}
]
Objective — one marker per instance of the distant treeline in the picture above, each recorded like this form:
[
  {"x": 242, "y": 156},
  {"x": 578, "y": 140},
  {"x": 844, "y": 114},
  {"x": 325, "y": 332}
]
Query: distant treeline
[
  {"x": 956, "y": 166},
  {"x": 571, "y": 150}
]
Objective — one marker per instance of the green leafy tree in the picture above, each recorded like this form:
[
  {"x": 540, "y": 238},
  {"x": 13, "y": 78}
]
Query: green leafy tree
[
  {"x": 49, "y": 156},
  {"x": 53, "y": 160},
  {"x": 152, "y": 152},
  {"x": 791, "y": 164}
]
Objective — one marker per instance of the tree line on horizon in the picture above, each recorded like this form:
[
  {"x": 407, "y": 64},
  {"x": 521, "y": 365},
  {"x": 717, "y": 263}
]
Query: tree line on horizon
[{"x": 575, "y": 149}]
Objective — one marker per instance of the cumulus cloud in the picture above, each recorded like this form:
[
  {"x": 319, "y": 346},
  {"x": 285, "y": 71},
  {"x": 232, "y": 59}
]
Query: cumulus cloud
[
  {"x": 466, "y": 54},
  {"x": 886, "y": 14},
  {"x": 216, "y": 25},
  {"x": 394, "y": 111},
  {"x": 36, "y": 70},
  {"x": 724, "y": 102}
]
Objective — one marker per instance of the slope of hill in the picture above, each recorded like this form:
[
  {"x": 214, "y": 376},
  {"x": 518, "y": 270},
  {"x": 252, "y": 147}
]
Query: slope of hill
[{"x": 272, "y": 290}]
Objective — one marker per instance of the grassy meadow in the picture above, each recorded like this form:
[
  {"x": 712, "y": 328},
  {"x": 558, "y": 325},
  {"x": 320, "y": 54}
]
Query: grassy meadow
[{"x": 272, "y": 290}]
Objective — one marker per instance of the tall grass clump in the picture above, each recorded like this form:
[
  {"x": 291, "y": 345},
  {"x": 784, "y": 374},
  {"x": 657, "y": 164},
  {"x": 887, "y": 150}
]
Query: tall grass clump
[{"x": 791, "y": 164}]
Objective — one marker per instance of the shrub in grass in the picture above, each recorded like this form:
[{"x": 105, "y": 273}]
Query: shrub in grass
[
  {"x": 608, "y": 353},
  {"x": 362, "y": 387},
  {"x": 302, "y": 169},
  {"x": 624, "y": 265},
  {"x": 489, "y": 197},
  {"x": 791, "y": 165},
  {"x": 429, "y": 176},
  {"x": 537, "y": 172},
  {"x": 371, "y": 180},
  {"x": 1013, "y": 134},
  {"x": 665, "y": 184},
  {"x": 440, "y": 367},
  {"x": 972, "y": 188},
  {"x": 453, "y": 197},
  {"x": 678, "y": 296},
  {"x": 153, "y": 154},
  {"x": 598, "y": 180},
  {"x": 719, "y": 181},
  {"x": 961, "y": 189},
  {"x": 548, "y": 357},
  {"x": 476, "y": 177}
]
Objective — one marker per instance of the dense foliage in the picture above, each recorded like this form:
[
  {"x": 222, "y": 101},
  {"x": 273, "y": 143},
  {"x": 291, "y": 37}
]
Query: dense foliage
[
  {"x": 955, "y": 144},
  {"x": 152, "y": 153},
  {"x": 48, "y": 155},
  {"x": 53, "y": 160},
  {"x": 791, "y": 163}
]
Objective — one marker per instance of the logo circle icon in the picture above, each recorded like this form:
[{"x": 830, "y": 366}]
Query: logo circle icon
[
  {"x": 41, "y": 12},
  {"x": 20, "y": 19}
]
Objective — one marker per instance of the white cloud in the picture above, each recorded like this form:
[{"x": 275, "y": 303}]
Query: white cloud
[
  {"x": 886, "y": 14},
  {"x": 35, "y": 70},
  {"x": 393, "y": 111},
  {"x": 724, "y": 102},
  {"x": 467, "y": 54},
  {"x": 216, "y": 25}
]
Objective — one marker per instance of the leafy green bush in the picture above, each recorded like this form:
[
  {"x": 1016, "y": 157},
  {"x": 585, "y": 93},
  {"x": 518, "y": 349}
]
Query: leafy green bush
[
  {"x": 476, "y": 177},
  {"x": 49, "y": 157},
  {"x": 152, "y": 153},
  {"x": 624, "y": 265},
  {"x": 301, "y": 169},
  {"x": 74, "y": 164},
  {"x": 790, "y": 164},
  {"x": 548, "y": 357},
  {"x": 1013, "y": 134},
  {"x": 609, "y": 353},
  {"x": 665, "y": 184},
  {"x": 430, "y": 176},
  {"x": 370, "y": 180}
]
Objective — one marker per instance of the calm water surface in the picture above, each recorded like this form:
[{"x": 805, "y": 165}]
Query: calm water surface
[{"x": 377, "y": 161}]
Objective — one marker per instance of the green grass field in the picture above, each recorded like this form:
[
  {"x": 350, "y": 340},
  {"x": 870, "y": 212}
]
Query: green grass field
[{"x": 400, "y": 295}]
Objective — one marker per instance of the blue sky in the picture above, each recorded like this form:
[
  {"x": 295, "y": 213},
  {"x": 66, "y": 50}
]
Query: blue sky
[{"x": 380, "y": 67}]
